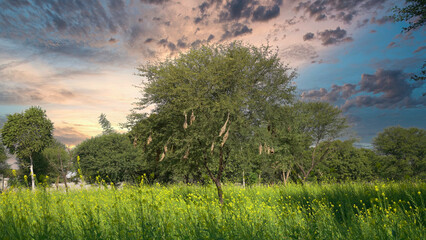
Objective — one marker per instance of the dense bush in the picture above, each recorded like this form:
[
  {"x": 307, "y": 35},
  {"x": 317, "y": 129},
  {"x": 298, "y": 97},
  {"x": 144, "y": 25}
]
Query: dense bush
[{"x": 112, "y": 157}]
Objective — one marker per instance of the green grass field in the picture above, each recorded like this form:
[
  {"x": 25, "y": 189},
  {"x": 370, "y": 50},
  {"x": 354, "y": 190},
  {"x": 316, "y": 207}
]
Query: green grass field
[{"x": 328, "y": 211}]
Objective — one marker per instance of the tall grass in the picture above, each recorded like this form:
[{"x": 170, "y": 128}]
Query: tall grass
[{"x": 328, "y": 211}]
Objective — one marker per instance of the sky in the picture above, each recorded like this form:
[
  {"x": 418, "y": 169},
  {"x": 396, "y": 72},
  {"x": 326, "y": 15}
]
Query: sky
[{"x": 78, "y": 58}]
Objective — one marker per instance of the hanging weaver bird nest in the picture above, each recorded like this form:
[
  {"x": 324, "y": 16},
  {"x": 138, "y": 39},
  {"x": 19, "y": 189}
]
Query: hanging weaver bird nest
[
  {"x": 185, "y": 124},
  {"x": 225, "y": 138},
  {"x": 222, "y": 130},
  {"x": 186, "y": 154},
  {"x": 192, "y": 118},
  {"x": 149, "y": 140}
]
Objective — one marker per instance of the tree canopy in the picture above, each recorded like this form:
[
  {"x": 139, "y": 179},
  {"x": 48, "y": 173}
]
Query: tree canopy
[
  {"x": 112, "y": 157},
  {"x": 210, "y": 99},
  {"x": 407, "y": 146},
  {"x": 25, "y": 134}
]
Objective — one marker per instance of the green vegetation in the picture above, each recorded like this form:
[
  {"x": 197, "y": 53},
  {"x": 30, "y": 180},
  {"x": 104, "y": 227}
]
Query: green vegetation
[
  {"x": 222, "y": 115},
  {"x": 111, "y": 157},
  {"x": 27, "y": 134},
  {"x": 336, "y": 211}
]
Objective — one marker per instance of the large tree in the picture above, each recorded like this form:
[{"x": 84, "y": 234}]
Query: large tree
[
  {"x": 209, "y": 100},
  {"x": 25, "y": 134}
]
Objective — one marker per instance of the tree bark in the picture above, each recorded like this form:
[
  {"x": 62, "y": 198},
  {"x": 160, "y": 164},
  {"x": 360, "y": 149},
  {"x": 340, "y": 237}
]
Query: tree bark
[
  {"x": 217, "y": 180},
  {"x": 286, "y": 175},
  {"x": 32, "y": 173}
]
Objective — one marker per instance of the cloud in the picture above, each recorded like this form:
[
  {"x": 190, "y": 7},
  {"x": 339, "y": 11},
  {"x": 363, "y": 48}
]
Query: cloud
[
  {"x": 308, "y": 36},
  {"x": 419, "y": 49},
  {"x": 332, "y": 37},
  {"x": 342, "y": 10},
  {"x": 235, "y": 30},
  {"x": 384, "y": 89},
  {"x": 159, "y": 2},
  {"x": 392, "y": 45},
  {"x": 298, "y": 52},
  {"x": 336, "y": 93},
  {"x": 69, "y": 135},
  {"x": 382, "y": 20},
  {"x": 263, "y": 13},
  {"x": 250, "y": 9}
]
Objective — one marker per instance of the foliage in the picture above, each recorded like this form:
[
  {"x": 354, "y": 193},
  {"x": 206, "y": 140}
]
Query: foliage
[
  {"x": 346, "y": 162},
  {"x": 209, "y": 100},
  {"x": 408, "y": 149},
  {"x": 414, "y": 12},
  {"x": 311, "y": 211},
  {"x": 306, "y": 130},
  {"x": 3, "y": 157},
  {"x": 59, "y": 160},
  {"x": 111, "y": 157},
  {"x": 105, "y": 124},
  {"x": 27, "y": 133}
]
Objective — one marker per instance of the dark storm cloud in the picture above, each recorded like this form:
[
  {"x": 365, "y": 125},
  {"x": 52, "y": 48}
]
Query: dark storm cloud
[
  {"x": 182, "y": 43},
  {"x": 250, "y": 9},
  {"x": 344, "y": 10},
  {"x": 211, "y": 37},
  {"x": 383, "y": 89},
  {"x": 148, "y": 40},
  {"x": 308, "y": 36},
  {"x": 263, "y": 13},
  {"x": 331, "y": 37},
  {"x": 235, "y": 30}
]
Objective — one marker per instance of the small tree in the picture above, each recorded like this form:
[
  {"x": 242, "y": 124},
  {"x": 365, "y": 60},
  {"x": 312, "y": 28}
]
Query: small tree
[
  {"x": 58, "y": 159},
  {"x": 407, "y": 146},
  {"x": 27, "y": 133},
  {"x": 111, "y": 157},
  {"x": 314, "y": 126}
]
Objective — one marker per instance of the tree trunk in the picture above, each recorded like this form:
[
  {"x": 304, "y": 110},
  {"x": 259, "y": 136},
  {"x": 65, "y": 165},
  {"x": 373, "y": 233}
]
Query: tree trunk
[
  {"x": 57, "y": 182},
  {"x": 219, "y": 191},
  {"x": 32, "y": 173},
  {"x": 64, "y": 175},
  {"x": 286, "y": 175},
  {"x": 217, "y": 180}
]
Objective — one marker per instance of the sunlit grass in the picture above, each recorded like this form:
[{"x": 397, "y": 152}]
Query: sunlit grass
[{"x": 328, "y": 211}]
